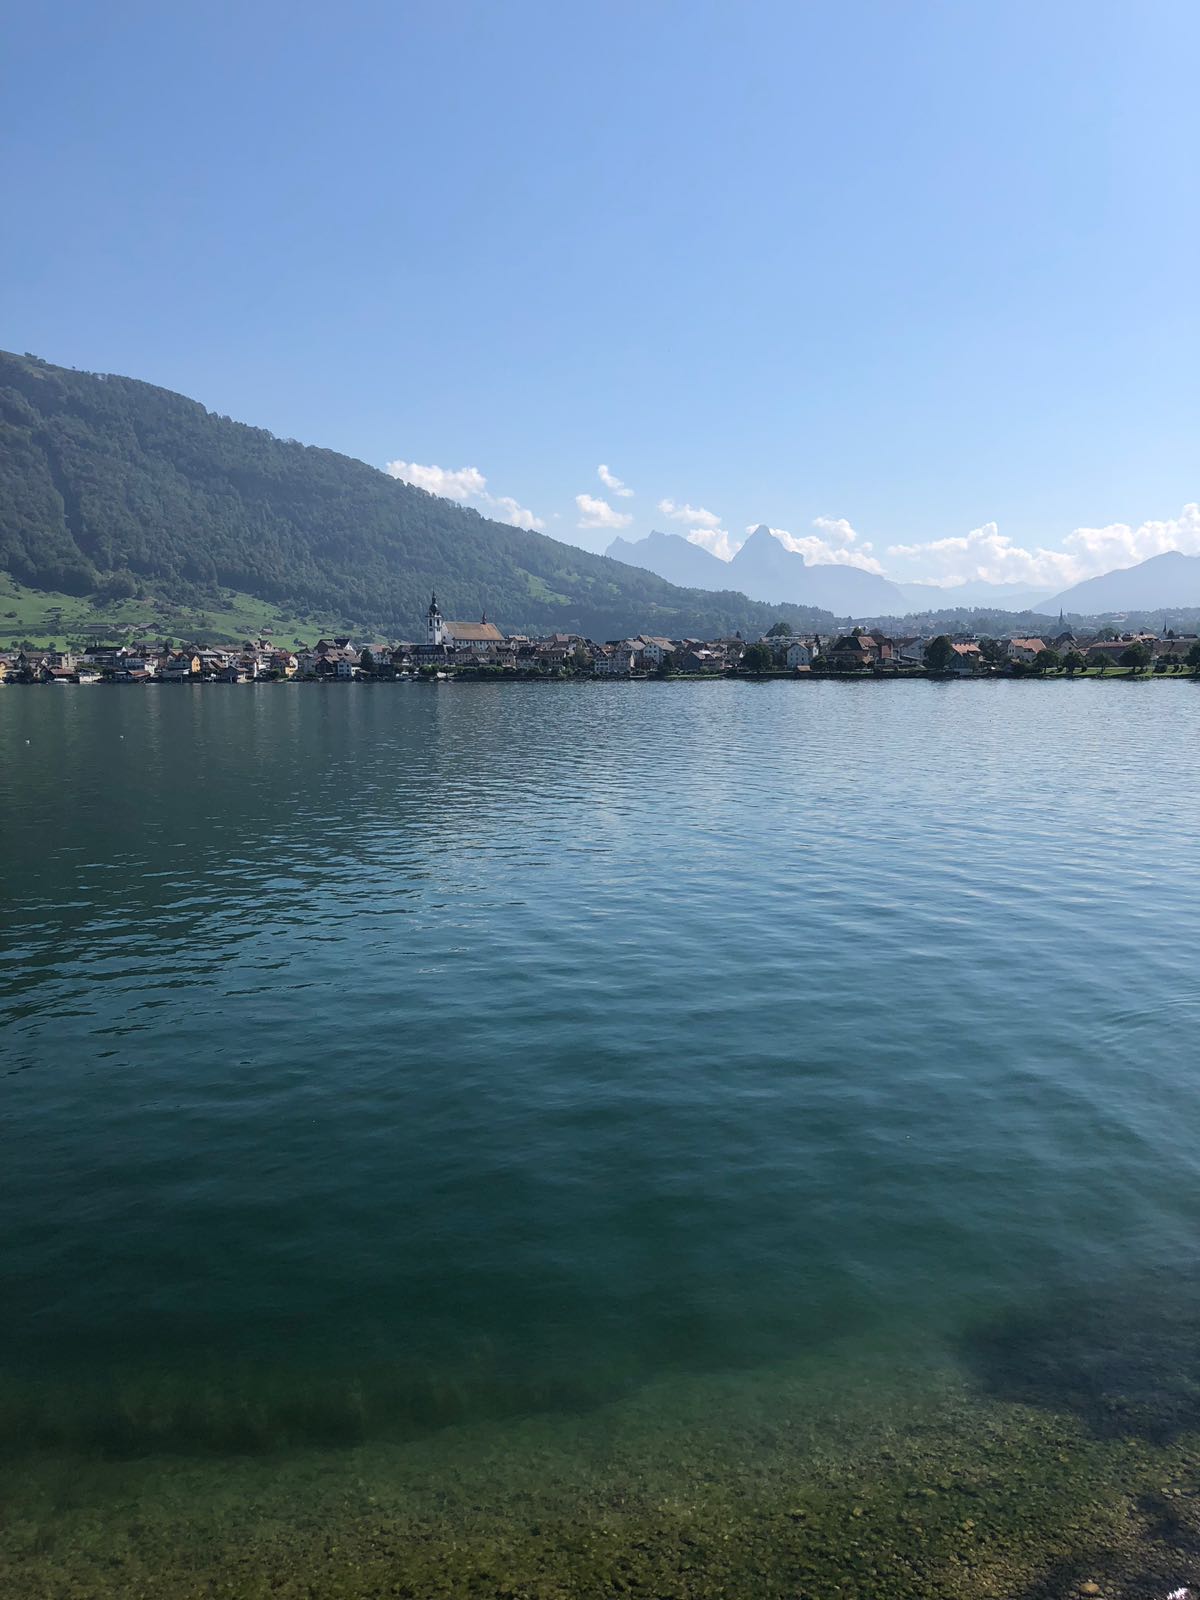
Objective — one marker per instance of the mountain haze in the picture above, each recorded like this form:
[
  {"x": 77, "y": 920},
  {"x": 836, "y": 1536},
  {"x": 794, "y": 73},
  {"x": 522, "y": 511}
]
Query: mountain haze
[
  {"x": 112, "y": 486},
  {"x": 764, "y": 569},
  {"x": 1168, "y": 581},
  {"x": 975, "y": 592},
  {"x": 676, "y": 559}
]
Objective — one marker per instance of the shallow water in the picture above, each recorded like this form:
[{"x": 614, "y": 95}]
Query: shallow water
[{"x": 493, "y": 1135}]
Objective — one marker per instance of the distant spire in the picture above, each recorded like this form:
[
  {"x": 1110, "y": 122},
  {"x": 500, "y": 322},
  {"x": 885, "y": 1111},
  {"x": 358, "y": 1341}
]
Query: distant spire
[{"x": 483, "y": 618}]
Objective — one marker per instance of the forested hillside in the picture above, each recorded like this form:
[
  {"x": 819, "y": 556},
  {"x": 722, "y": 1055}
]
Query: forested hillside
[{"x": 110, "y": 486}]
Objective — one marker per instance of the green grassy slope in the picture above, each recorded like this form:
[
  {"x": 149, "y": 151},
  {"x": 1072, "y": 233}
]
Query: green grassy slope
[{"x": 113, "y": 488}]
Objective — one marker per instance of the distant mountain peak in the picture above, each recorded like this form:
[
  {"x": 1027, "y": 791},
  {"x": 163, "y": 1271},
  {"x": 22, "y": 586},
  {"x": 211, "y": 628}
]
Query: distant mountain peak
[
  {"x": 759, "y": 534},
  {"x": 1170, "y": 580}
]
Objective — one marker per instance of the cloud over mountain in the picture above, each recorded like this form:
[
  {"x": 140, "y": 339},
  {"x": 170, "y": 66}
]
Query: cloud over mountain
[
  {"x": 986, "y": 553},
  {"x": 694, "y": 516},
  {"x": 468, "y": 486},
  {"x": 597, "y": 513}
]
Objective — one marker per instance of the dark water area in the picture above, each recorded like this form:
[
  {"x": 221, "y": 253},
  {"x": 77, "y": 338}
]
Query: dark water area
[{"x": 676, "y": 1139}]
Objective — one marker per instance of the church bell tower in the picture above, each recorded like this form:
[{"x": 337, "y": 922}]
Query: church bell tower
[{"x": 434, "y": 620}]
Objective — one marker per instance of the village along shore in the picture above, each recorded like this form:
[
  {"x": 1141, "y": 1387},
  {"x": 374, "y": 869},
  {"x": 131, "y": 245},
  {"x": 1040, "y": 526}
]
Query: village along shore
[{"x": 480, "y": 650}]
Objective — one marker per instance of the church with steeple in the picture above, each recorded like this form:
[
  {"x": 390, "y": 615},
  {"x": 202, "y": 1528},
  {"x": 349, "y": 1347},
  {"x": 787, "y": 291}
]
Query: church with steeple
[
  {"x": 434, "y": 619},
  {"x": 479, "y": 636}
]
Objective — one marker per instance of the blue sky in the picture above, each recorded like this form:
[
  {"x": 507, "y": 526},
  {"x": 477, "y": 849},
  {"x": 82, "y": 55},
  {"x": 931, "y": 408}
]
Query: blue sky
[{"x": 915, "y": 284}]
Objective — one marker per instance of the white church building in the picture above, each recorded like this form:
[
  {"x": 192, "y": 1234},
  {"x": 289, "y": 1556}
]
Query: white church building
[{"x": 481, "y": 636}]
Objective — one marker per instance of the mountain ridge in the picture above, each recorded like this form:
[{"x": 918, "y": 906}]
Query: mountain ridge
[
  {"x": 764, "y": 569},
  {"x": 110, "y": 485},
  {"x": 1166, "y": 581}
]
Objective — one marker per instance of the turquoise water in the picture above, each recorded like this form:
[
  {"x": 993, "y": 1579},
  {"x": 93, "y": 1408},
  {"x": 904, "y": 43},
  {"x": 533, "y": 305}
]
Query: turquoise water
[{"x": 400, "y": 1080}]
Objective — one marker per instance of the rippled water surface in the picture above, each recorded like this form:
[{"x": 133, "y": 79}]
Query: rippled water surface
[{"x": 552, "y": 1139}]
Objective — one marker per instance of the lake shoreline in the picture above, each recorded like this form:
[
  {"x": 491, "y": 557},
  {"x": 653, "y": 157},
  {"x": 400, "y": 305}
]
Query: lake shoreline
[{"x": 468, "y": 675}]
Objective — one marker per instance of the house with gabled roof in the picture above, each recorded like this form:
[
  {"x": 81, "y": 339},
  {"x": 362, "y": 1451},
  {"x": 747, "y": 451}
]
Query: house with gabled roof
[{"x": 1025, "y": 649}]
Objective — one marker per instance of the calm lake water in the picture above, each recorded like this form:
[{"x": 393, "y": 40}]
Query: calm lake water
[{"x": 675, "y": 1139}]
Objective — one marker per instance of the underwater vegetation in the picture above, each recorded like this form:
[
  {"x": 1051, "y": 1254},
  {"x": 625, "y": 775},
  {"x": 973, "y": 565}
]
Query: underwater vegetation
[
  {"x": 782, "y": 1483},
  {"x": 247, "y": 1409}
]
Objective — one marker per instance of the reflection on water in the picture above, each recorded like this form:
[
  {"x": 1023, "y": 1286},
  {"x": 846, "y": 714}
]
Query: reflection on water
[{"x": 589, "y": 1103}]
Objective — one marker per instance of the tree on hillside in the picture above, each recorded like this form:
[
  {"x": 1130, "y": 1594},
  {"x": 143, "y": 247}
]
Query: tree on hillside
[
  {"x": 1135, "y": 658},
  {"x": 1046, "y": 660},
  {"x": 115, "y": 488},
  {"x": 779, "y": 630},
  {"x": 939, "y": 653}
]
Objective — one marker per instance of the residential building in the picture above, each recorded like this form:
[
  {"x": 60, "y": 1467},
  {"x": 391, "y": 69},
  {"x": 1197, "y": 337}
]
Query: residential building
[
  {"x": 180, "y": 666},
  {"x": 859, "y": 650},
  {"x": 654, "y": 649},
  {"x": 967, "y": 657},
  {"x": 910, "y": 652},
  {"x": 1025, "y": 649},
  {"x": 698, "y": 658}
]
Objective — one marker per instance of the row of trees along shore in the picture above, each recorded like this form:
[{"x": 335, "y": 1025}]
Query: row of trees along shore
[{"x": 939, "y": 657}]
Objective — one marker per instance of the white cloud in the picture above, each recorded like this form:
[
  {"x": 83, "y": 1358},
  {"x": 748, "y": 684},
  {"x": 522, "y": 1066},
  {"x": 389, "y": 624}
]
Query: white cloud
[
  {"x": 837, "y": 545},
  {"x": 464, "y": 484},
  {"x": 611, "y": 481},
  {"x": 1119, "y": 545},
  {"x": 596, "y": 513},
  {"x": 453, "y": 483},
  {"x": 837, "y": 530},
  {"x": 988, "y": 554},
  {"x": 716, "y": 541},
  {"x": 518, "y": 515},
  {"x": 697, "y": 516}
]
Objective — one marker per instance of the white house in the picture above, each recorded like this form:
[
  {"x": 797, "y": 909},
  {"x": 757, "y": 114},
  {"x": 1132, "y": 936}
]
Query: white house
[
  {"x": 1024, "y": 649},
  {"x": 616, "y": 661},
  {"x": 654, "y": 649}
]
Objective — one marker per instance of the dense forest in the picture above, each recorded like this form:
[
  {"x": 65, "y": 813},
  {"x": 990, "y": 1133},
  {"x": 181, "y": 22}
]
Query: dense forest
[{"x": 113, "y": 487}]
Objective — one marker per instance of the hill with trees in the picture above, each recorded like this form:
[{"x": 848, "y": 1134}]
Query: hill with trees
[{"x": 110, "y": 487}]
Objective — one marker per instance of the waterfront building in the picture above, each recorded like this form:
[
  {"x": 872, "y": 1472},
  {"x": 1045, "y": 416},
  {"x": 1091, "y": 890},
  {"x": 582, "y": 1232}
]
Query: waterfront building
[
  {"x": 1025, "y": 649},
  {"x": 479, "y": 636}
]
